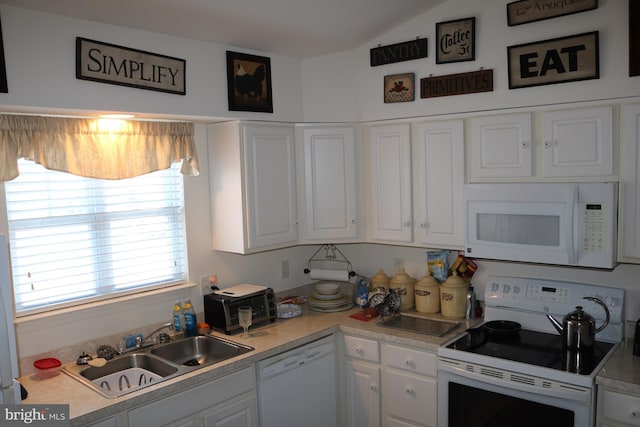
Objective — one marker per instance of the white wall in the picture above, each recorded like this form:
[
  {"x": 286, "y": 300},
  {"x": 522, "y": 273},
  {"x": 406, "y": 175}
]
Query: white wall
[
  {"x": 40, "y": 56},
  {"x": 349, "y": 75}
]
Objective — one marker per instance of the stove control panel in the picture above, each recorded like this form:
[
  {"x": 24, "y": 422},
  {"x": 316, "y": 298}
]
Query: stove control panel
[{"x": 549, "y": 296}]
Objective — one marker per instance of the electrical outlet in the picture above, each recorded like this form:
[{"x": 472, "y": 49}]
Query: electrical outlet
[
  {"x": 205, "y": 284},
  {"x": 284, "y": 269}
]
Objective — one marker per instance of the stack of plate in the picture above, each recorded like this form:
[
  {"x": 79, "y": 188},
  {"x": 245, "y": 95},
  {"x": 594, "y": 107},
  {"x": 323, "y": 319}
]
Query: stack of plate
[{"x": 328, "y": 298}]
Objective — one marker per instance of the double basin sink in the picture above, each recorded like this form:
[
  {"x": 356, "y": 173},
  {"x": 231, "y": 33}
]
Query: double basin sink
[{"x": 144, "y": 367}]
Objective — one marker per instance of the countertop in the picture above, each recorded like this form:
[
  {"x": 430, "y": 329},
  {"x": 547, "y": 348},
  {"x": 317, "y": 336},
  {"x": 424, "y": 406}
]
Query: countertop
[
  {"x": 622, "y": 370},
  {"x": 87, "y": 405}
]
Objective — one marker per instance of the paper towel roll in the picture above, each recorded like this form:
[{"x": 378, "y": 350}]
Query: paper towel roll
[{"x": 322, "y": 274}]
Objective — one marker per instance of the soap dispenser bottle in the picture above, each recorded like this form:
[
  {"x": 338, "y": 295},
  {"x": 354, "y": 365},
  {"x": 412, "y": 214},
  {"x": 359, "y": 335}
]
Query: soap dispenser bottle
[
  {"x": 177, "y": 317},
  {"x": 189, "y": 319}
]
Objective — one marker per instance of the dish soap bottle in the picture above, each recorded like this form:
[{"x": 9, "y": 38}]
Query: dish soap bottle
[
  {"x": 177, "y": 317},
  {"x": 189, "y": 319}
]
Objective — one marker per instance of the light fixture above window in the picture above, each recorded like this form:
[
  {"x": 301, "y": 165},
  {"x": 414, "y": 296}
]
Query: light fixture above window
[{"x": 120, "y": 116}]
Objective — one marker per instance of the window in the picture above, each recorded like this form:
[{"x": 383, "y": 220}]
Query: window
[{"x": 76, "y": 239}]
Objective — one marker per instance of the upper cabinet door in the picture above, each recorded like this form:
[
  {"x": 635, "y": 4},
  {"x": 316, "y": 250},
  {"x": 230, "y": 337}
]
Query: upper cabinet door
[
  {"x": 252, "y": 185},
  {"x": 389, "y": 207},
  {"x": 629, "y": 232},
  {"x": 578, "y": 142},
  {"x": 438, "y": 183},
  {"x": 330, "y": 198},
  {"x": 271, "y": 193},
  {"x": 501, "y": 146}
]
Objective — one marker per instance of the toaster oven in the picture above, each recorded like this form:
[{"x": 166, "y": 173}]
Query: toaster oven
[{"x": 221, "y": 307}]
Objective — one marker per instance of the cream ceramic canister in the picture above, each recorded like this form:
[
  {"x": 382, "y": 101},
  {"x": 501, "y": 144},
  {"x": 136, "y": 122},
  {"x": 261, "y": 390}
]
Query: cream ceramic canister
[
  {"x": 427, "y": 294},
  {"x": 379, "y": 280},
  {"x": 453, "y": 297},
  {"x": 405, "y": 285}
]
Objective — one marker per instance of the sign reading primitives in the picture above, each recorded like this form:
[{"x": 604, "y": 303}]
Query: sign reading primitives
[
  {"x": 108, "y": 63},
  {"x": 399, "y": 52},
  {"x": 457, "y": 84},
  {"x": 560, "y": 60}
]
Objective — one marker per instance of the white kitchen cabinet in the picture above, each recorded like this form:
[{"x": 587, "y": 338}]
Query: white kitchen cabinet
[
  {"x": 252, "y": 185},
  {"x": 389, "y": 207},
  {"x": 617, "y": 408},
  {"x": 329, "y": 203},
  {"x": 501, "y": 146},
  {"x": 226, "y": 401},
  {"x": 361, "y": 382},
  {"x": 410, "y": 387},
  {"x": 578, "y": 142},
  {"x": 629, "y": 231},
  {"x": 438, "y": 182}
]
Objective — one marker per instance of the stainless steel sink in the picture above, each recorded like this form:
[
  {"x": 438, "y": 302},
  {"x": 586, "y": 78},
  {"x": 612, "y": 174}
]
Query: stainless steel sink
[
  {"x": 201, "y": 350},
  {"x": 142, "y": 368}
]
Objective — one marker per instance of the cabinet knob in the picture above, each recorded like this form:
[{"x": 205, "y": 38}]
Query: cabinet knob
[
  {"x": 410, "y": 363},
  {"x": 424, "y": 224},
  {"x": 634, "y": 413},
  {"x": 359, "y": 350},
  {"x": 374, "y": 387},
  {"x": 353, "y": 220},
  {"x": 547, "y": 144},
  {"x": 410, "y": 391},
  {"x": 525, "y": 144},
  {"x": 406, "y": 223}
]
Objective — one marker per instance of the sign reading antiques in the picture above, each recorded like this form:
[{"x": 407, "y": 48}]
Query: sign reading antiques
[
  {"x": 560, "y": 60},
  {"x": 398, "y": 52},
  {"x": 108, "y": 63},
  {"x": 457, "y": 84},
  {"x": 524, "y": 11}
]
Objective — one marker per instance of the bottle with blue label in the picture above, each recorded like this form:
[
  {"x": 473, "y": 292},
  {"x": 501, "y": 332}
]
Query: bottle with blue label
[
  {"x": 189, "y": 315},
  {"x": 362, "y": 292},
  {"x": 177, "y": 317}
]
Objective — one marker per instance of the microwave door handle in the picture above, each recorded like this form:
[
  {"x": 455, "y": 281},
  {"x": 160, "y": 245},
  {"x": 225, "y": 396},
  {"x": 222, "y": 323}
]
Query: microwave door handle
[{"x": 569, "y": 224}]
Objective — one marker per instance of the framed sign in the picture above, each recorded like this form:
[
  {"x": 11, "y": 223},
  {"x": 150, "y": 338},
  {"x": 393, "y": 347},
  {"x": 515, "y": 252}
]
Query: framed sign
[
  {"x": 634, "y": 38},
  {"x": 455, "y": 41},
  {"x": 524, "y": 11},
  {"x": 108, "y": 63},
  {"x": 398, "y": 52},
  {"x": 565, "y": 59},
  {"x": 399, "y": 88},
  {"x": 249, "y": 82}
]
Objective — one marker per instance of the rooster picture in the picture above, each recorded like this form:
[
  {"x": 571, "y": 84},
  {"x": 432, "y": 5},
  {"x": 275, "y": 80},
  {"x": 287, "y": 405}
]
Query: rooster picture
[{"x": 249, "y": 82}]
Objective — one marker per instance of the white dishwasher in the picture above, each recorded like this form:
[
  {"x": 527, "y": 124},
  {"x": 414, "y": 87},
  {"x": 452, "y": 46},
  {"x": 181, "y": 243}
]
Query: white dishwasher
[{"x": 298, "y": 387}]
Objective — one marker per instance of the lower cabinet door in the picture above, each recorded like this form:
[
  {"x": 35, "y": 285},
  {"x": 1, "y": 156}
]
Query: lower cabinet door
[
  {"x": 410, "y": 397},
  {"x": 363, "y": 394},
  {"x": 242, "y": 413}
]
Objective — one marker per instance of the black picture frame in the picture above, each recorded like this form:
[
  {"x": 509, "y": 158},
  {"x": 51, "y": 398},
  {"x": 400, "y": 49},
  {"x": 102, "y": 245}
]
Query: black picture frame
[
  {"x": 634, "y": 38},
  {"x": 249, "y": 82},
  {"x": 4, "y": 87},
  {"x": 526, "y": 11},
  {"x": 456, "y": 40},
  {"x": 547, "y": 61}
]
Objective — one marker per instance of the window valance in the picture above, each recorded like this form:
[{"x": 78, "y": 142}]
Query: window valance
[{"x": 95, "y": 148}]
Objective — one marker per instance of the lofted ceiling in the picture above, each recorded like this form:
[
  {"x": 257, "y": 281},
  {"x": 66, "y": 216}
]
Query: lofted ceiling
[{"x": 293, "y": 28}]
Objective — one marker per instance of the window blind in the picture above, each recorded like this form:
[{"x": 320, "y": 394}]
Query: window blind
[{"x": 76, "y": 239}]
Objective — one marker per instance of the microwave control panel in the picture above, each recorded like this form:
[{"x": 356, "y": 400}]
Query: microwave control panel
[{"x": 593, "y": 235}]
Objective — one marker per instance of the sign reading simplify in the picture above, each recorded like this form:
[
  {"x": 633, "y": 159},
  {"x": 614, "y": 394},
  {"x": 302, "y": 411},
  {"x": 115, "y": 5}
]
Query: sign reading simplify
[{"x": 108, "y": 63}]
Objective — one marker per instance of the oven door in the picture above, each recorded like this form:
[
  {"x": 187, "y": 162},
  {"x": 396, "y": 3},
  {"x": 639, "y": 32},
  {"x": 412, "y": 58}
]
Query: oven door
[{"x": 464, "y": 401}]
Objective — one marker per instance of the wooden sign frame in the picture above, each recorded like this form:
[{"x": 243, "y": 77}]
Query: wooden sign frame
[
  {"x": 525, "y": 11},
  {"x": 456, "y": 41}
]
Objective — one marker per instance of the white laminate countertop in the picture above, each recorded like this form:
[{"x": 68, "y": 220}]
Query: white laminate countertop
[
  {"x": 87, "y": 405},
  {"x": 622, "y": 370}
]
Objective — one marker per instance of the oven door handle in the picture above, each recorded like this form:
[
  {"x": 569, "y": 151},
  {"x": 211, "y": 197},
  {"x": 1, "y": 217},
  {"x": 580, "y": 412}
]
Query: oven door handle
[{"x": 559, "y": 390}]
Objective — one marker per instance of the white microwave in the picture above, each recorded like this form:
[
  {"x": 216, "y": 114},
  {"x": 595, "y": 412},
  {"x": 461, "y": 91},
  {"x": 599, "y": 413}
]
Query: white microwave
[{"x": 571, "y": 224}]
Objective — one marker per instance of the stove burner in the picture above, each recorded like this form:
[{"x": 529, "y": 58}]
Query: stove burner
[{"x": 531, "y": 347}]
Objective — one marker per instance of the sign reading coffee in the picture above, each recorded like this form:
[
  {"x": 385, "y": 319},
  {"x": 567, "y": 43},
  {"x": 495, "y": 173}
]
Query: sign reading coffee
[{"x": 108, "y": 63}]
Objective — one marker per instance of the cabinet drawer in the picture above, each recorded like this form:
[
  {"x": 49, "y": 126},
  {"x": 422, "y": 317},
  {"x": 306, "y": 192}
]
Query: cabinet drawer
[
  {"x": 410, "y": 359},
  {"x": 621, "y": 407},
  {"x": 361, "y": 348},
  {"x": 410, "y": 397}
]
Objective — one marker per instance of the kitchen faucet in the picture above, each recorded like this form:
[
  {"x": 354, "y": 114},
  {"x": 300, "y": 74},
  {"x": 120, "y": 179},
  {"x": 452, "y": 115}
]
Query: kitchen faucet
[{"x": 140, "y": 342}]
